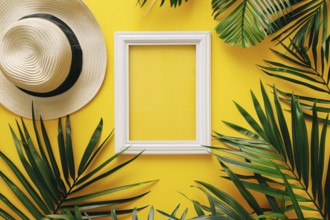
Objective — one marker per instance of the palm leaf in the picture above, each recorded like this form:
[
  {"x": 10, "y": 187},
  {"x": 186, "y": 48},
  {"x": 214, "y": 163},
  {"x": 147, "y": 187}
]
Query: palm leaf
[
  {"x": 275, "y": 162},
  {"x": 302, "y": 69},
  {"x": 113, "y": 214},
  {"x": 26, "y": 184},
  {"x": 50, "y": 193},
  {"x": 5, "y": 215},
  {"x": 173, "y": 3},
  {"x": 244, "y": 192},
  {"x": 308, "y": 24},
  {"x": 13, "y": 208},
  {"x": 221, "y": 204},
  {"x": 151, "y": 213},
  {"x": 61, "y": 147},
  {"x": 173, "y": 214},
  {"x": 90, "y": 147},
  {"x": 300, "y": 142},
  {"x": 22, "y": 197},
  {"x": 327, "y": 192},
  {"x": 272, "y": 216},
  {"x": 135, "y": 215},
  {"x": 41, "y": 150},
  {"x": 75, "y": 214},
  {"x": 102, "y": 176},
  {"x": 246, "y": 23},
  {"x": 32, "y": 172},
  {"x": 54, "y": 165},
  {"x": 80, "y": 199},
  {"x": 97, "y": 205},
  {"x": 117, "y": 213},
  {"x": 69, "y": 150},
  {"x": 292, "y": 195},
  {"x": 38, "y": 164},
  {"x": 96, "y": 170},
  {"x": 292, "y": 162}
]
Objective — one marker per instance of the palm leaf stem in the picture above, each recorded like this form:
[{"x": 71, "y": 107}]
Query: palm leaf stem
[
  {"x": 68, "y": 193},
  {"x": 319, "y": 209},
  {"x": 320, "y": 75},
  {"x": 59, "y": 205},
  {"x": 303, "y": 187},
  {"x": 323, "y": 80}
]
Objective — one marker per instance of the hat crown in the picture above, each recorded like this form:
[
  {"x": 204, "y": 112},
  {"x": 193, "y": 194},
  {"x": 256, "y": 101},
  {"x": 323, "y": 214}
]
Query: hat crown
[
  {"x": 27, "y": 80},
  {"x": 36, "y": 55}
]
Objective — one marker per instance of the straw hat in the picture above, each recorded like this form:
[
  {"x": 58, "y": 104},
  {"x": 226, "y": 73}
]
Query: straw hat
[{"x": 52, "y": 53}]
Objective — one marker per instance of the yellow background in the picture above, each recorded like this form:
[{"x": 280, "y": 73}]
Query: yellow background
[
  {"x": 234, "y": 73},
  {"x": 162, "y": 92}
]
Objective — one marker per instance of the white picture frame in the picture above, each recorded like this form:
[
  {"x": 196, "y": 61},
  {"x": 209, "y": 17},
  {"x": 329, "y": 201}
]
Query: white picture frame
[{"x": 202, "y": 43}]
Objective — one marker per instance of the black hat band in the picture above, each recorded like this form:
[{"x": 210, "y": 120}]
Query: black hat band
[{"x": 77, "y": 57}]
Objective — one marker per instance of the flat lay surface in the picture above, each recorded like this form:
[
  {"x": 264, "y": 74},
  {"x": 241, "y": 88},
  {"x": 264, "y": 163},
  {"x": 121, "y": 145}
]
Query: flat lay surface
[{"x": 162, "y": 103}]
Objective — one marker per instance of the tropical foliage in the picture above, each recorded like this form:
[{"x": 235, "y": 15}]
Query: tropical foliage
[
  {"x": 61, "y": 185},
  {"x": 290, "y": 169},
  {"x": 277, "y": 159},
  {"x": 246, "y": 23},
  {"x": 76, "y": 214},
  {"x": 302, "y": 68},
  {"x": 173, "y": 3}
]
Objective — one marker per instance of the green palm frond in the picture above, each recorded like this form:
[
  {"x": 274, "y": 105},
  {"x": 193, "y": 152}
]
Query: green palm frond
[
  {"x": 76, "y": 214},
  {"x": 173, "y": 215},
  {"x": 68, "y": 215},
  {"x": 288, "y": 168},
  {"x": 173, "y": 3},
  {"x": 246, "y": 23},
  {"x": 306, "y": 25},
  {"x": 51, "y": 187},
  {"x": 303, "y": 69},
  {"x": 243, "y": 23},
  {"x": 221, "y": 204}
]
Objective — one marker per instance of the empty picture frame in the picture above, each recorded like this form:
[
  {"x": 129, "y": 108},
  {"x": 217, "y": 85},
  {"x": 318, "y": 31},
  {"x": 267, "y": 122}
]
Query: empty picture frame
[{"x": 123, "y": 42}]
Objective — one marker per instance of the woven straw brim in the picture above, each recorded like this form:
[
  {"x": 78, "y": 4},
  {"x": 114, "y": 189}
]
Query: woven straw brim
[{"x": 80, "y": 19}]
